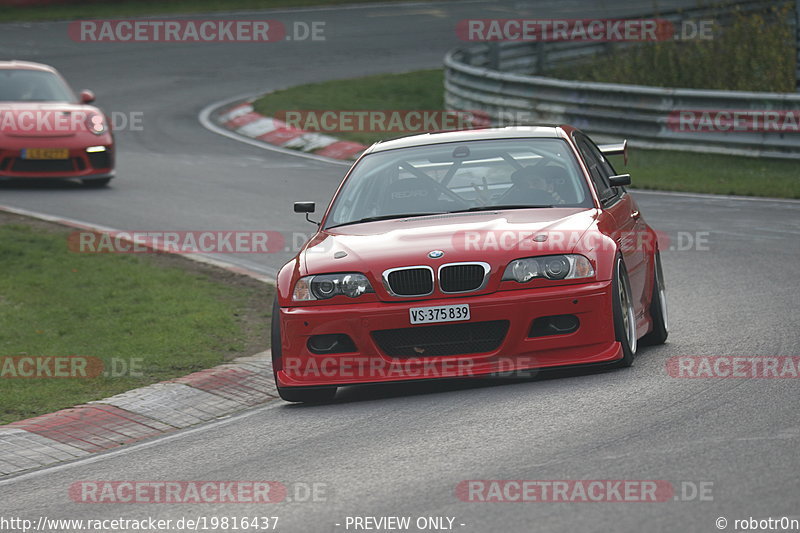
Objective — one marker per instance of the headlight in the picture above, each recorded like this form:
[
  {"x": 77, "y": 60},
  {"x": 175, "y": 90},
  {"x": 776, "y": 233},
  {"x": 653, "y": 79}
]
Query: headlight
[
  {"x": 96, "y": 123},
  {"x": 351, "y": 284},
  {"x": 549, "y": 267}
]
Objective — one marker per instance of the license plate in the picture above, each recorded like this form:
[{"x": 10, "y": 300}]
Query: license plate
[
  {"x": 439, "y": 313},
  {"x": 45, "y": 153}
]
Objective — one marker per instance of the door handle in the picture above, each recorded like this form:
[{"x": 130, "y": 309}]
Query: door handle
[{"x": 635, "y": 214}]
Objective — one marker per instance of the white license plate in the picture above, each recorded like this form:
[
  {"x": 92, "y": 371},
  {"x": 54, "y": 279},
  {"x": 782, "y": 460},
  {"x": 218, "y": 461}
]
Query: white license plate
[{"x": 439, "y": 313}]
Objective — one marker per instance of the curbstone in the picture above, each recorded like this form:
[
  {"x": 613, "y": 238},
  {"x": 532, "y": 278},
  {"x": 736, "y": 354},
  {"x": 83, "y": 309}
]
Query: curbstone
[
  {"x": 242, "y": 119},
  {"x": 136, "y": 415}
]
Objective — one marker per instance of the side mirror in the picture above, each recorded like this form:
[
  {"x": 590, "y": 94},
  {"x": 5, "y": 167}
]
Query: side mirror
[
  {"x": 306, "y": 207},
  {"x": 620, "y": 180},
  {"x": 87, "y": 96}
]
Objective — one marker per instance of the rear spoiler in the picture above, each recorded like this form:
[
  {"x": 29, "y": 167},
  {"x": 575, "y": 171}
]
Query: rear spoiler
[{"x": 616, "y": 149}]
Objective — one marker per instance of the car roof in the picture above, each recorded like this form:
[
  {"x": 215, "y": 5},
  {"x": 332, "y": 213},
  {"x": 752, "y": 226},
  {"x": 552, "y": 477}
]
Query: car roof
[
  {"x": 508, "y": 132},
  {"x": 25, "y": 65}
]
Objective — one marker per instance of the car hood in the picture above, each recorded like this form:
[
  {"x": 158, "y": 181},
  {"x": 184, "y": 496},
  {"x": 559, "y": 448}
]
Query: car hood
[
  {"x": 495, "y": 237},
  {"x": 44, "y": 119}
]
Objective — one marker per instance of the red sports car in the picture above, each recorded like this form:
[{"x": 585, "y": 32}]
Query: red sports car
[
  {"x": 471, "y": 253},
  {"x": 47, "y": 132}
]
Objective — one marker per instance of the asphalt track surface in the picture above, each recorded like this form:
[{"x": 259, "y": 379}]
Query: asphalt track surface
[{"x": 401, "y": 450}]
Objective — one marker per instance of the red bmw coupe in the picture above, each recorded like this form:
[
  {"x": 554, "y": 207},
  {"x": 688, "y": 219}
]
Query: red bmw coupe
[
  {"x": 47, "y": 132},
  {"x": 471, "y": 253}
]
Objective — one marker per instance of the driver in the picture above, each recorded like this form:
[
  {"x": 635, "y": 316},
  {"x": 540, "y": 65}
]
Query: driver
[{"x": 530, "y": 188}]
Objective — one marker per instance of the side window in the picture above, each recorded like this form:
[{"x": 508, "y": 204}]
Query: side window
[
  {"x": 599, "y": 168},
  {"x": 605, "y": 164}
]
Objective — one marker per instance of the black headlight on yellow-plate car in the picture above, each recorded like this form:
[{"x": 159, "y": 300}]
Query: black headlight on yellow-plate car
[
  {"x": 555, "y": 267},
  {"x": 324, "y": 286}
]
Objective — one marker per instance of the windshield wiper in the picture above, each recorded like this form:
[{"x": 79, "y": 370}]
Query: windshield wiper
[
  {"x": 500, "y": 208},
  {"x": 382, "y": 217}
]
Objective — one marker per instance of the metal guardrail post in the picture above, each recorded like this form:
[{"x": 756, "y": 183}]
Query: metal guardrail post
[
  {"x": 494, "y": 55},
  {"x": 541, "y": 57}
]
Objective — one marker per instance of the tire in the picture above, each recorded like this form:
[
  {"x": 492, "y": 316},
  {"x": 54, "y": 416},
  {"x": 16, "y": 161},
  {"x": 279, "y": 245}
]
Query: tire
[
  {"x": 292, "y": 394},
  {"x": 624, "y": 314},
  {"x": 95, "y": 183},
  {"x": 658, "y": 307}
]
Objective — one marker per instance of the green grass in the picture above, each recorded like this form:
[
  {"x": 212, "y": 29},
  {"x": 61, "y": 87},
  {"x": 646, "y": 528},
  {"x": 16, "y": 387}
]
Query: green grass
[
  {"x": 168, "y": 321},
  {"x": 120, "y": 8},
  {"x": 650, "y": 169},
  {"x": 711, "y": 173},
  {"x": 421, "y": 90}
]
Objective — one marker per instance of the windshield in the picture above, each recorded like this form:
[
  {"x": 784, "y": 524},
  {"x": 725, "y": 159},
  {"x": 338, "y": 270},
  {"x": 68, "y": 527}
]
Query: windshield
[
  {"x": 462, "y": 176},
  {"x": 22, "y": 85}
]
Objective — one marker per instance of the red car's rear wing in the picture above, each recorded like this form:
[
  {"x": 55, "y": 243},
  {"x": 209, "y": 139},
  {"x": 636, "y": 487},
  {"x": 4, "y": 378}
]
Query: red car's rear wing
[{"x": 616, "y": 149}]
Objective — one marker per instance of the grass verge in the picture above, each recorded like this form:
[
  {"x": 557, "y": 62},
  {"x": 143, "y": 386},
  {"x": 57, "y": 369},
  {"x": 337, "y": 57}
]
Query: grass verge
[
  {"x": 650, "y": 169},
  {"x": 711, "y": 173},
  {"x": 149, "y": 317},
  {"x": 421, "y": 89},
  {"x": 132, "y": 8}
]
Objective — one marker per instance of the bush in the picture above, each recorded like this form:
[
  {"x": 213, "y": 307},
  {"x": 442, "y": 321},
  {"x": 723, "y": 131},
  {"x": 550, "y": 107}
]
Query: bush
[{"x": 755, "y": 52}]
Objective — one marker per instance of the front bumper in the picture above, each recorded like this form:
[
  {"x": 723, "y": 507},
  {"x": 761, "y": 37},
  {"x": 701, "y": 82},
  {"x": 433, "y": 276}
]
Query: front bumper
[
  {"x": 592, "y": 342},
  {"x": 79, "y": 164}
]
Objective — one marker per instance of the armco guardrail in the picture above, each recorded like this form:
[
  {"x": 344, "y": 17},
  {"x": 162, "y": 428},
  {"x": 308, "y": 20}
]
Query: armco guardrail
[{"x": 497, "y": 79}]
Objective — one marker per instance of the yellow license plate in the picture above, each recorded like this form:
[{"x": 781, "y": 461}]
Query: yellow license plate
[{"x": 45, "y": 153}]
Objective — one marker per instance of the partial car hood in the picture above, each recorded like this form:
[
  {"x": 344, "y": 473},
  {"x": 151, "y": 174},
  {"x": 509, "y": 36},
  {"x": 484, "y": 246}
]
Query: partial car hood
[
  {"x": 493, "y": 237},
  {"x": 44, "y": 119}
]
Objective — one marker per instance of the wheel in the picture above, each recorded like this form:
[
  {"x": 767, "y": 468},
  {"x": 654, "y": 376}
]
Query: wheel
[
  {"x": 292, "y": 394},
  {"x": 658, "y": 307},
  {"x": 624, "y": 314},
  {"x": 96, "y": 183}
]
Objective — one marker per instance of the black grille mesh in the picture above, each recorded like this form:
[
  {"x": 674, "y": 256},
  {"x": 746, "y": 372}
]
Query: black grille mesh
[
  {"x": 100, "y": 159},
  {"x": 461, "y": 278},
  {"x": 445, "y": 339},
  {"x": 411, "y": 281}
]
